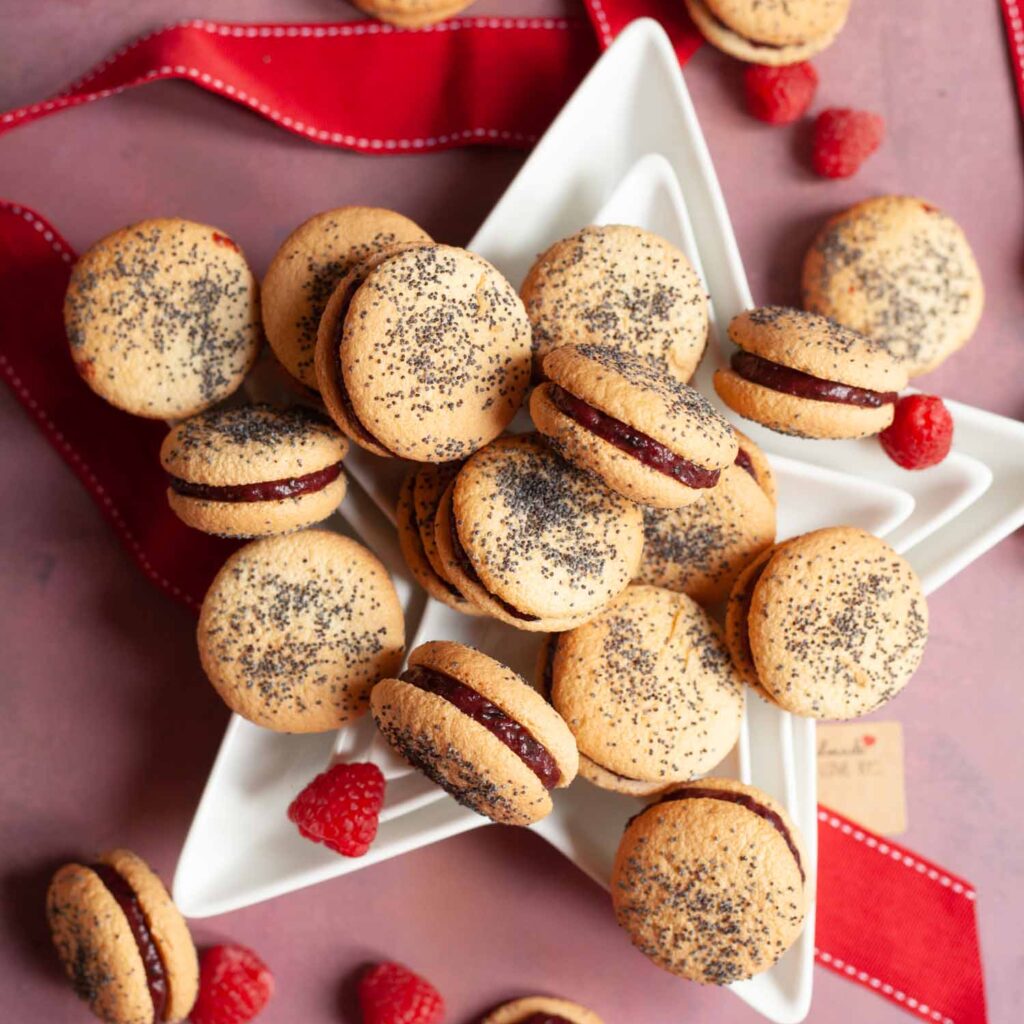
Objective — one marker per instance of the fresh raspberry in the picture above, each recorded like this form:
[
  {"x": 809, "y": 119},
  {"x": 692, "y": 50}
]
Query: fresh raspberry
[
  {"x": 921, "y": 432},
  {"x": 779, "y": 95},
  {"x": 392, "y": 994},
  {"x": 234, "y": 986},
  {"x": 340, "y": 807},
  {"x": 843, "y": 140}
]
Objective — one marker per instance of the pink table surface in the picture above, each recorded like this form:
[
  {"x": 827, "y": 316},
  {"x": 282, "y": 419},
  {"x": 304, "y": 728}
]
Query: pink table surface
[{"x": 109, "y": 728}]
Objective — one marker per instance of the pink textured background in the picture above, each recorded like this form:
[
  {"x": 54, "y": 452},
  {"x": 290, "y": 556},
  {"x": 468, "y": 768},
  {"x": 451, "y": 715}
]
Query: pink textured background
[{"x": 109, "y": 728}]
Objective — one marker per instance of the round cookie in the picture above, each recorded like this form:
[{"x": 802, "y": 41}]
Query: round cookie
[
  {"x": 622, "y": 286},
  {"x": 805, "y": 375},
  {"x": 699, "y": 550},
  {"x": 305, "y": 270},
  {"x": 295, "y": 631},
  {"x": 534, "y": 541},
  {"x": 710, "y": 882},
  {"x": 774, "y": 32},
  {"x": 899, "y": 270},
  {"x": 417, "y": 508},
  {"x": 412, "y": 13},
  {"x": 254, "y": 470},
  {"x": 541, "y": 1010},
  {"x": 837, "y": 624},
  {"x": 648, "y": 689},
  {"x": 163, "y": 318},
  {"x": 625, "y": 418},
  {"x": 478, "y": 730},
  {"x": 435, "y": 353},
  {"x": 123, "y": 942}
]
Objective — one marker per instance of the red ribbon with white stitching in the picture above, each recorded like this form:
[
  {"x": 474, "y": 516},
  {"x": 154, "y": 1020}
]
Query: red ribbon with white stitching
[{"x": 887, "y": 919}]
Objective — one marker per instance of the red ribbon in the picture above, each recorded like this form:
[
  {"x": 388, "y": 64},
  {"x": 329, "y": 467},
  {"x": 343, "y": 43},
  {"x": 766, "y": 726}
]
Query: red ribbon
[
  {"x": 1013, "y": 18},
  {"x": 886, "y": 918}
]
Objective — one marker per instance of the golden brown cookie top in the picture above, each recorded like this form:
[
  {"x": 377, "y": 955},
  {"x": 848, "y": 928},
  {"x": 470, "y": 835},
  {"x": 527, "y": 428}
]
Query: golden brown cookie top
[{"x": 780, "y": 22}]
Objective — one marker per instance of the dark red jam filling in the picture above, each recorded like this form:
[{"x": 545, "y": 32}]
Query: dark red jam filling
[
  {"x": 339, "y": 377},
  {"x": 547, "y": 678},
  {"x": 772, "y": 817},
  {"x": 470, "y": 570},
  {"x": 156, "y": 973},
  {"x": 804, "y": 385},
  {"x": 268, "y": 490},
  {"x": 641, "y": 446},
  {"x": 743, "y": 461},
  {"x": 515, "y": 736},
  {"x": 544, "y": 1018}
]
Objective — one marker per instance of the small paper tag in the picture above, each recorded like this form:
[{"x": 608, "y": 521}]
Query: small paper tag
[{"x": 860, "y": 773}]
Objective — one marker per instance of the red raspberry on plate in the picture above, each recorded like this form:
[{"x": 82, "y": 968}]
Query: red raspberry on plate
[
  {"x": 921, "y": 432},
  {"x": 234, "y": 986},
  {"x": 340, "y": 808},
  {"x": 843, "y": 140},
  {"x": 391, "y": 994},
  {"x": 779, "y": 95}
]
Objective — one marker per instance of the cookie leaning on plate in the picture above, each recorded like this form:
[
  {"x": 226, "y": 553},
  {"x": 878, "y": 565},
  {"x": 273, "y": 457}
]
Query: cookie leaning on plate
[
  {"x": 621, "y": 286},
  {"x": 900, "y": 271},
  {"x": 295, "y": 631},
  {"x": 773, "y": 32},
  {"x": 122, "y": 941},
  {"x": 541, "y": 1010},
  {"x": 305, "y": 270},
  {"x": 163, "y": 318},
  {"x": 805, "y": 375},
  {"x": 478, "y": 730},
  {"x": 625, "y": 418},
  {"x": 710, "y": 882},
  {"x": 254, "y": 470}
]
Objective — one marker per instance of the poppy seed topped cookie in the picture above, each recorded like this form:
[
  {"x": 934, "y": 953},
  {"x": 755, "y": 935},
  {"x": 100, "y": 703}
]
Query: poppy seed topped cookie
[
  {"x": 774, "y": 32},
  {"x": 308, "y": 266},
  {"x": 900, "y": 271},
  {"x": 254, "y": 470},
  {"x": 710, "y": 882},
  {"x": 534, "y": 541},
  {"x": 541, "y": 1010},
  {"x": 621, "y": 286},
  {"x": 803, "y": 374},
  {"x": 837, "y": 623},
  {"x": 478, "y": 730},
  {"x": 295, "y": 630},
  {"x": 122, "y": 941},
  {"x": 648, "y": 690},
  {"x": 625, "y": 418},
  {"x": 435, "y": 354},
  {"x": 163, "y": 318}
]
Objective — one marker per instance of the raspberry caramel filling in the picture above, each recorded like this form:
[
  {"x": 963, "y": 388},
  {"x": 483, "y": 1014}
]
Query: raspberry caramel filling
[
  {"x": 268, "y": 490},
  {"x": 156, "y": 972},
  {"x": 744, "y": 462},
  {"x": 727, "y": 796},
  {"x": 470, "y": 570},
  {"x": 651, "y": 453},
  {"x": 516, "y": 737},
  {"x": 544, "y": 1018},
  {"x": 803, "y": 385}
]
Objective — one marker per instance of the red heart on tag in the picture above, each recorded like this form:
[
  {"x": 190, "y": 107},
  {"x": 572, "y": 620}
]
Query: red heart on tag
[{"x": 868, "y": 741}]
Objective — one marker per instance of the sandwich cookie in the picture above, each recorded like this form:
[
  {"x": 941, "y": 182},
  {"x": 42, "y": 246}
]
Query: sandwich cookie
[
  {"x": 648, "y": 690},
  {"x": 621, "y": 286},
  {"x": 805, "y": 375},
  {"x": 305, "y": 270},
  {"x": 542, "y": 1010},
  {"x": 836, "y": 626},
  {"x": 711, "y": 881},
  {"x": 478, "y": 730},
  {"x": 434, "y": 355},
  {"x": 900, "y": 271},
  {"x": 295, "y": 631},
  {"x": 123, "y": 942},
  {"x": 163, "y": 318},
  {"x": 774, "y": 32},
  {"x": 625, "y": 418},
  {"x": 415, "y": 515},
  {"x": 699, "y": 550},
  {"x": 254, "y": 470},
  {"x": 412, "y": 13},
  {"x": 534, "y": 541}
]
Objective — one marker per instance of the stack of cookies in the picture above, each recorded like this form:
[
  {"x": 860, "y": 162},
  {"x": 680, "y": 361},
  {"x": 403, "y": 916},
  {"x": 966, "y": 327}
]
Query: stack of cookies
[{"x": 617, "y": 529}]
